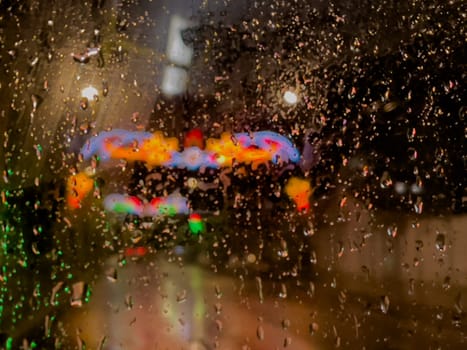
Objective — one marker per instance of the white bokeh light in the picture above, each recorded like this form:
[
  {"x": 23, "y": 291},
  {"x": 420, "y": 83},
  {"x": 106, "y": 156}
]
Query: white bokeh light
[
  {"x": 89, "y": 92},
  {"x": 290, "y": 97}
]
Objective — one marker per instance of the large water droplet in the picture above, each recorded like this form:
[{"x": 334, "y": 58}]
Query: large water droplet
[
  {"x": 440, "y": 242},
  {"x": 311, "y": 289},
  {"x": 411, "y": 286},
  {"x": 418, "y": 206},
  {"x": 392, "y": 230},
  {"x": 366, "y": 271},
  {"x": 259, "y": 286},
  {"x": 384, "y": 304},
  {"x": 283, "y": 291},
  {"x": 313, "y": 328},
  {"x": 218, "y": 308},
  {"x": 342, "y": 297},
  {"x": 419, "y": 245},
  {"x": 447, "y": 283},
  {"x": 309, "y": 231},
  {"x": 260, "y": 332},
  {"x": 111, "y": 274},
  {"x": 412, "y": 153},
  {"x": 340, "y": 249},
  {"x": 102, "y": 343},
  {"x": 458, "y": 304},
  {"x": 129, "y": 301},
  {"x": 80, "y": 342},
  {"x": 218, "y": 291},
  {"x": 77, "y": 294},
  {"x": 181, "y": 296},
  {"x": 385, "y": 181},
  {"x": 313, "y": 258}
]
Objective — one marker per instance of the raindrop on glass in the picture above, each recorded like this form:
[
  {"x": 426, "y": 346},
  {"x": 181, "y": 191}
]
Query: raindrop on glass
[
  {"x": 112, "y": 274},
  {"x": 259, "y": 286},
  {"x": 392, "y": 231},
  {"x": 283, "y": 291},
  {"x": 384, "y": 304},
  {"x": 440, "y": 242},
  {"x": 313, "y": 257},
  {"x": 77, "y": 294},
  {"x": 447, "y": 283},
  {"x": 385, "y": 181},
  {"x": 260, "y": 332}
]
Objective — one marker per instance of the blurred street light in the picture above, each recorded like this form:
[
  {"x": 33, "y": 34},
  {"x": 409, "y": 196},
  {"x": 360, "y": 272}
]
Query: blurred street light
[
  {"x": 90, "y": 93},
  {"x": 290, "y": 97}
]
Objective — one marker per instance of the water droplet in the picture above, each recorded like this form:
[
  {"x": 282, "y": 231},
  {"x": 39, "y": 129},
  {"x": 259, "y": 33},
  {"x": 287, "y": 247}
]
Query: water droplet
[
  {"x": 366, "y": 271},
  {"x": 458, "y": 304},
  {"x": 456, "y": 320},
  {"x": 311, "y": 289},
  {"x": 365, "y": 170},
  {"x": 390, "y": 106},
  {"x": 392, "y": 231},
  {"x": 417, "y": 187},
  {"x": 102, "y": 342},
  {"x": 313, "y": 328},
  {"x": 418, "y": 206},
  {"x": 47, "y": 325},
  {"x": 79, "y": 340},
  {"x": 181, "y": 296},
  {"x": 337, "y": 342},
  {"x": 309, "y": 231},
  {"x": 340, "y": 250},
  {"x": 259, "y": 286},
  {"x": 111, "y": 274},
  {"x": 260, "y": 332},
  {"x": 447, "y": 283},
  {"x": 218, "y": 308},
  {"x": 35, "y": 249},
  {"x": 419, "y": 245},
  {"x": 384, "y": 304},
  {"x": 283, "y": 291},
  {"x": 313, "y": 258},
  {"x": 411, "y": 133},
  {"x": 129, "y": 301},
  {"x": 55, "y": 290},
  {"x": 285, "y": 324},
  {"x": 385, "y": 181},
  {"x": 440, "y": 242},
  {"x": 219, "y": 325},
  {"x": 283, "y": 252},
  {"x": 196, "y": 345},
  {"x": 77, "y": 294},
  {"x": 412, "y": 153},
  {"x": 342, "y": 297},
  {"x": 287, "y": 341},
  {"x": 411, "y": 286},
  {"x": 218, "y": 291}
]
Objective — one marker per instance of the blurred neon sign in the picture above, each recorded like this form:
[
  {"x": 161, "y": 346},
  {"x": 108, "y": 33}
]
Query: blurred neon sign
[{"x": 155, "y": 149}]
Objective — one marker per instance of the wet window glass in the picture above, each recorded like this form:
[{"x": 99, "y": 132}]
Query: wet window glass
[{"x": 232, "y": 174}]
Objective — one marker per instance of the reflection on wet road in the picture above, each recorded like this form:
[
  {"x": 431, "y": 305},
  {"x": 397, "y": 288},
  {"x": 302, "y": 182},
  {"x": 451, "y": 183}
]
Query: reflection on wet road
[
  {"x": 160, "y": 305},
  {"x": 352, "y": 299}
]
